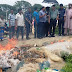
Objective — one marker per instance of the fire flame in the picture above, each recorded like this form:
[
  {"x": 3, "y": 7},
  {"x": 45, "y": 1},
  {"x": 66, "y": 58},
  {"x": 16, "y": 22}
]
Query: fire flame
[
  {"x": 11, "y": 44},
  {"x": 15, "y": 53}
]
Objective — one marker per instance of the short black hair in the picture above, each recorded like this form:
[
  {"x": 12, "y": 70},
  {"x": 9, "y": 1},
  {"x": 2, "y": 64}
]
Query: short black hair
[
  {"x": 19, "y": 9},
  {"x": 47, "y": 8},
  {"x": 61, "y": 4},
  {"x": 35, "y": 8},
  {"x": 42, "y": 7},
  {"x": 53, "y": 5}
]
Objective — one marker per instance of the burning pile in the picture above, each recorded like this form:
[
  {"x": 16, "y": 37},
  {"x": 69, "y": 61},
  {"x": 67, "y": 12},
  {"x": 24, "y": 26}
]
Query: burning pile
[
  {"x": 7, "y": 53},
  {"x": 10, "y": 55}
]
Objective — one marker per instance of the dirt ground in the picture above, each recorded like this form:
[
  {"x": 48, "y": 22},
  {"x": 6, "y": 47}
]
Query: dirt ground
[{"x": 37, "y": 41}]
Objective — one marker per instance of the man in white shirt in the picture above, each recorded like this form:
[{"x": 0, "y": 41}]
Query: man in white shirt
[{"x": 20, "y": 23}]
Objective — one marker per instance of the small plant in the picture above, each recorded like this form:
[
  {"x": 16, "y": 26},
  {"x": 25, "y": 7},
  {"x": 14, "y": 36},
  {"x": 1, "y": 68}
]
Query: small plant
[
  {"x": 64, "y": 55},
  {"x": 67, "y": 68},
  {"x": 69, "y": 58}
]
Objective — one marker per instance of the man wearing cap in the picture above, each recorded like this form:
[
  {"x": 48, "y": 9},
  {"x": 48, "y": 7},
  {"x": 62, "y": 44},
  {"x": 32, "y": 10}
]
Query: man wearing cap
[
  {"x": 53, "y": 19},
  {"x": 61, "y": 19}
]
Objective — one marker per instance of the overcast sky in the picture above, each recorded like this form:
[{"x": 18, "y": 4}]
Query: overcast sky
[{"x": 12, "y": 2}]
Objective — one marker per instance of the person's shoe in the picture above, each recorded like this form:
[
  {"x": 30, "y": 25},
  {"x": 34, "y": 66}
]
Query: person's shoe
[
  {"x": 46, "y": 35},
  {"x": 53, "y": 36},
  {"x": 63, "y": 35},
  {"x": 1, "y": 39},
  {"x": 28, "y": 38},
  {"x": 40, "y": 37},
  {"x": 50, "y": 36},
  {"x": 59, "y": 34}
]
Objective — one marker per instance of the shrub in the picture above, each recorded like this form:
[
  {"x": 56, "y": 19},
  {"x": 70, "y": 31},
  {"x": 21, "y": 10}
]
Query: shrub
[{"x": 67, "y": 68}]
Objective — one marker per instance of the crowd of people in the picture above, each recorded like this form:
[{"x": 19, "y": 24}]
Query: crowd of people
[{"x": 44, "y": 22}]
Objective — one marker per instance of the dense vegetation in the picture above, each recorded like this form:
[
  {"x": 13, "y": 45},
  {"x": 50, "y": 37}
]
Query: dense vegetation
[{"x": 68, "y": 66}]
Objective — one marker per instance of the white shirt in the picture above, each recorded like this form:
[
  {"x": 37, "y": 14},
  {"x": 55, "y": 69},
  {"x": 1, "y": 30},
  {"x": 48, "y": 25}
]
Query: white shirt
[
  {"x": 2, "y": 22},
  {"x": 20, "y": 19}
]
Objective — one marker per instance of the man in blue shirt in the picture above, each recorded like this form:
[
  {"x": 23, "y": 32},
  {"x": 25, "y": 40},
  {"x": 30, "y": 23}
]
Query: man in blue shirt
[
  {"x": 36, "y": 21},
  {"x": 28, "y": 21},
  {"x": 61, "y": 19}
]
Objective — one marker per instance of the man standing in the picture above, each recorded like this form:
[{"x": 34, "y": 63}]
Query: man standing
[
  {"x": 47, "y": 21},
  {"x": 53, "y": 18},
  {"x": 42, "y": 21},
  {"x": 61, "y": 19},
  {"x": 11, "y": 19},
  {"x": 36, "y": 21},
  {"x": 28, "y": 21},
  {"x": 68, "y": 20},
  {"x": 20, "y": 23}
]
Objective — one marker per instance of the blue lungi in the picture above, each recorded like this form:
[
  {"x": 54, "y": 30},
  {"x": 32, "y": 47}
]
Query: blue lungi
[{"x": 1, "y": 32}]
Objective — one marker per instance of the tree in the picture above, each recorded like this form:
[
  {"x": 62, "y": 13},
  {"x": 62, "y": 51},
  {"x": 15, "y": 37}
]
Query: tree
[
  {"x": 36, "y": 5},
  {"x": 5, "y": 8},
  {"x": 51, "y": 1},
  {"x": 22, "y": 4}
]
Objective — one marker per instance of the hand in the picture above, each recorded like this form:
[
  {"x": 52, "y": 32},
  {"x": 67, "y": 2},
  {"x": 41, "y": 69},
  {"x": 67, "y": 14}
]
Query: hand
[
  {"x": 57, "y": 18},
  {"x": 64, "y": 19},
  {"x": 15, "y": 27},
  {"x": 71, "y": 17},
  {"x": 49, "y": 22},
  {"x": 45, "y": 14}
]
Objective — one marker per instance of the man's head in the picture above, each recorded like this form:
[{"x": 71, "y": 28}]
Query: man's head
[
  {"x": 47, "y": 8},
  {"x": 29, "y": 9},
  {"x": 20, "y": 10},
  {"x": 61, "y": 6},
  {"x": 69, "y": 5},
  {"x": 43, "y": 8},
  {"x": 11, "y": 11},
  {"x": 53, "y": 7}
]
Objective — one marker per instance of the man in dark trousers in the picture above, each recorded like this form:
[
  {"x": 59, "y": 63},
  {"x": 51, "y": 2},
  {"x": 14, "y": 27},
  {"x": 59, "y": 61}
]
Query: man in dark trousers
[
  {"x": 36, "y": 21},
  {"x": 47, "y": 21},
  {"x": 61, "y": 20},
  {"x": 42, "y": 21},
  {"x": 11, "y": 19},
  {"x": 28, "y": 21},
  {"x": 53, "y": 19}
]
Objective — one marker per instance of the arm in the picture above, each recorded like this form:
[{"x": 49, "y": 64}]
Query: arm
[
  {"x": 65, "y": 15},
  {"x": 28, "y": 20},
  {"x": 16, "y": 21},
  {"x": 26, "y": 15},
  {"x": 35, "y": 20},
  {"x": 57, "y": 15},
  {"x": 42, "y": 16},
  {"x": 9, "y": 20},
  {"x": 49, "y": 19}
]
